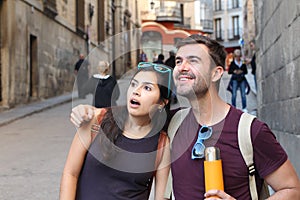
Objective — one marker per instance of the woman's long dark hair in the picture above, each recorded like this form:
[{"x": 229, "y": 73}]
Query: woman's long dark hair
[{"x": 114, "y": 120}]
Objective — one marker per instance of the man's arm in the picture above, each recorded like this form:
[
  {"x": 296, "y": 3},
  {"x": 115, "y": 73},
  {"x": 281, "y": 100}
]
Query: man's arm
[{"x": 285, "y": 182}]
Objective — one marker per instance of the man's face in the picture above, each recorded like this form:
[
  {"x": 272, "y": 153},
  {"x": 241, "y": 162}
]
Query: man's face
[
  {"x": 192, "y": 71},
  {"x": 252, "y": 45}
]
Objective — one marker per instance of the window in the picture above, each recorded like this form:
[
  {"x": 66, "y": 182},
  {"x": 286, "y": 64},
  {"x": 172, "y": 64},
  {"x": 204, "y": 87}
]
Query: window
[
  {"x": 235, "y": 25},
  {"x": 218, "y": 29},
  {"x": 101, "y": 21},
  {"x": 235, "y": 3},
  {"x": 80, "y": 17},
  {"x": 218, "y": 5},
  {"x": 50, "y": 8}
]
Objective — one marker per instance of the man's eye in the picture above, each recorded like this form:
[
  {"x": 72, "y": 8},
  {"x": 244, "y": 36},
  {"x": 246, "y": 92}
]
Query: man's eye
[
  {"x": 178, "y": 62},
  {"x": 195, "y": 61}
]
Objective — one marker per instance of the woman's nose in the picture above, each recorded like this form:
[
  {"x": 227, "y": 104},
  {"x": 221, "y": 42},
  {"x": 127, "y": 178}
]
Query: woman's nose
[{"x": 136, "y": 91}]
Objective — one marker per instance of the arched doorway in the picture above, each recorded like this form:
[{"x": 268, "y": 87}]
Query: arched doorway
[{"x": 152, "y": 44}]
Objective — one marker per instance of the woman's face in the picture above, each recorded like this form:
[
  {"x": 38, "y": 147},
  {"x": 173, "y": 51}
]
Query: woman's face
[{"x": 143, "y": 94}]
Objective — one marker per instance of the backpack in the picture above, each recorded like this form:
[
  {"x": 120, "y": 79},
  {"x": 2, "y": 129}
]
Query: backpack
[
  {"x": 245, "y": 144},
  {"x": 246, "y": 148}
]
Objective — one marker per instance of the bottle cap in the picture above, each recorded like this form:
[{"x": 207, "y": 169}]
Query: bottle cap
[{"x": 212, "y": 153}]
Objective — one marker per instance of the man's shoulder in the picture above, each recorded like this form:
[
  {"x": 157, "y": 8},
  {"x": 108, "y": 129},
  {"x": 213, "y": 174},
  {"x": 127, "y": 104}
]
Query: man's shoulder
[{"x": 174, "y": 111}]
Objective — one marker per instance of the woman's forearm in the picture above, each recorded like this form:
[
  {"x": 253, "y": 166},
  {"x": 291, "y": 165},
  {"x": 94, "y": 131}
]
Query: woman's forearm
[{"x": 68, "y": 187}]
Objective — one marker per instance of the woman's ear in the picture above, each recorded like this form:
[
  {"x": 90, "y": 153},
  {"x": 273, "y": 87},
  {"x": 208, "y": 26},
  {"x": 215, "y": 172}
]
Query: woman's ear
[
  {"x": 217, "y": 73},
  {"x": 164, "y": 102}
]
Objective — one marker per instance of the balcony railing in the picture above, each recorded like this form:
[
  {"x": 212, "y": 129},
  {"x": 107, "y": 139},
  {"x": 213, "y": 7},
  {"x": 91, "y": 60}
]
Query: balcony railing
[
  {"x": 168, "y": 13},
  {"x": 234, "y": 34},
  {"x": 50, "y": 8},
  {"x": 218, "y": 35},
  {"x": 207, "y": 24},
  {"x": 185, "y": 24}
]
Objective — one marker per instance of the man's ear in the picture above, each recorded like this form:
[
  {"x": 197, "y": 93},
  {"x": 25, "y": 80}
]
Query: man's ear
[{"x": 217, "y": 73}]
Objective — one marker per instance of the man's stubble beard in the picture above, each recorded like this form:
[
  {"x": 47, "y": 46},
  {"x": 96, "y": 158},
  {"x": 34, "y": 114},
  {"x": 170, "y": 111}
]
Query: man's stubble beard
[{"x": 196, "y": 91}]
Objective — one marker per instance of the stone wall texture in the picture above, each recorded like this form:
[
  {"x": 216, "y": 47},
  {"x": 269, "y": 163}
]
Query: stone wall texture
[{"x": 278, "y": 73}]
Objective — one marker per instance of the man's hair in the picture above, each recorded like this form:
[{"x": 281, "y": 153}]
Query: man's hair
[{"x": 216, "y": 51}]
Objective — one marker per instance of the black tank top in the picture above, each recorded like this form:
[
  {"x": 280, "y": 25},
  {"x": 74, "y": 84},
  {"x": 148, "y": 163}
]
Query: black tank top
[{"x": 127, "y": 175}]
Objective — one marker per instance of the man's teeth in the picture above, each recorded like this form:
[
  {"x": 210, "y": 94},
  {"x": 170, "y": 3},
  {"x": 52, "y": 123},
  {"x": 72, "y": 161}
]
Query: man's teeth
[{"x": 183, "y": 79}]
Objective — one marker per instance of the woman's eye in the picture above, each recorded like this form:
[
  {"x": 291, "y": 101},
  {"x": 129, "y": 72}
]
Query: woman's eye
[
  {"x": 147, "y": 88},
  {"x": 132, "y": 84}
]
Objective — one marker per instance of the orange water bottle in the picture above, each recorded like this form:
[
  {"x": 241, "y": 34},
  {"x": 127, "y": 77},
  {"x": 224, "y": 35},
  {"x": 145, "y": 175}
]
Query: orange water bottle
[{"x": 213, "y": 172}]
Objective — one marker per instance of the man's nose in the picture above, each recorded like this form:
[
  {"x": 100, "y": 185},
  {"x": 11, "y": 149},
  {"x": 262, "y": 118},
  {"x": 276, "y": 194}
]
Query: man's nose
[{"x": 184, "y": 65}]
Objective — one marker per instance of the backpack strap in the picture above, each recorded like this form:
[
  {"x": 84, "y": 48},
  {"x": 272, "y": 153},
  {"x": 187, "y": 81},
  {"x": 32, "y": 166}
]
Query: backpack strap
[
  {"x": 175, "y": 122},
  {"x": 246, "y": 148}
]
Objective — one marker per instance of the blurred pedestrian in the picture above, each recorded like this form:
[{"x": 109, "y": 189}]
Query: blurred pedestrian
[
  {"x": 160, "y": 59},
  {"x": 171, "y": 63},
  {"x": 238, "y": 69},
  {"x": 81, "y": 71},
  {"x": 252, "y": 61},
  {"x": 154, "y": 56},
  {"x": 171, "y": 60},
  {"x": 103, "y": 86},
  {"x": 143, "y": 57}
]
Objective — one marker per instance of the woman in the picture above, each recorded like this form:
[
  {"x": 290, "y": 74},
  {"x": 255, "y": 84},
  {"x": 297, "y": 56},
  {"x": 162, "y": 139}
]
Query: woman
[
  {"x": 103, "y": 86},
  {"x": 238, "y": 69},
  {"x": 120, "y": 161}
]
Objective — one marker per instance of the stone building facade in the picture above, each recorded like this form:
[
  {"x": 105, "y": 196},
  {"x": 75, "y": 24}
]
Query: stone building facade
[
  {"x": 278, "y": 71},
  {"x": 41, "y": 40},
  {"x": 249, "y": 29}
]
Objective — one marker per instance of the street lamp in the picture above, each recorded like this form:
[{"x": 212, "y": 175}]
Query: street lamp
[{"x": 152, "y": 5}]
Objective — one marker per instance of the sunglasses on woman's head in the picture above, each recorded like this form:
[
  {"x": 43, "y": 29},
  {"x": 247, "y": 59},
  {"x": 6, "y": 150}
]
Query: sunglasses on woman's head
[
  {"x": 159, "y": 68},
  {"x": 198, "y": 149}
]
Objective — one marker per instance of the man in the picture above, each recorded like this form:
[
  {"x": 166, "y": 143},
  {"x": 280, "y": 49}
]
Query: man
[
  {"x": 252, "y": 61},
  {"x": 160, "y": 59},
  {"x": 200, "y": 63},
  {"x": 171, "y": 60},
  {"x": 81, "y": 71}
]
